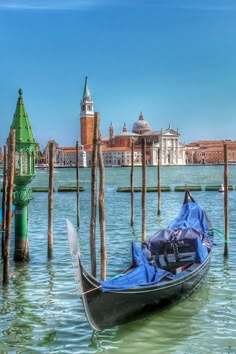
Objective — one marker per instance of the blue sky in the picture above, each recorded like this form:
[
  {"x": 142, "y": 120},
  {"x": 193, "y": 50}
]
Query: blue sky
[{"x": 174, "y": 60}]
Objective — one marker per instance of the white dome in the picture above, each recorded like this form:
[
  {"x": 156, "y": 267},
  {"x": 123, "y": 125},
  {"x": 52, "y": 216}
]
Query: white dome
[{"x": 141, "y": 125}]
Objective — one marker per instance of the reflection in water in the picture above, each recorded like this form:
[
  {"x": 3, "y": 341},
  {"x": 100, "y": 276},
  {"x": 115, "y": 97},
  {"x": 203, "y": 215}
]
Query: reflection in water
[
  {"x": 51, "y": 276},
  {"x": 163, "y": 330},
  {"x": 19, "y": 325},
  {"x": 41, "y": 312}
]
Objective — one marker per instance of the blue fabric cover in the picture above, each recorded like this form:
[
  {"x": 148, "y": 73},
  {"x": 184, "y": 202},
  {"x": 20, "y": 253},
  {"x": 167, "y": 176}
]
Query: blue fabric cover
[
  {"x": 190, "y": 215},
  {"x": 190, "y": 232},
  {"x": 201, "y": 251},
  {"x": 142, "y": 275}
]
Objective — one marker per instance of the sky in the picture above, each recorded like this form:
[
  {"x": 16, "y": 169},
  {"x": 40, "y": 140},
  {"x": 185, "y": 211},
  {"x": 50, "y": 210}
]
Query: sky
[{"x": 172, "y": 60}]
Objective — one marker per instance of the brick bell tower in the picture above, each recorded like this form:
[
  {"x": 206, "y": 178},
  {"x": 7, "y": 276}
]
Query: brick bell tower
[{"x": 86, "y": 117}]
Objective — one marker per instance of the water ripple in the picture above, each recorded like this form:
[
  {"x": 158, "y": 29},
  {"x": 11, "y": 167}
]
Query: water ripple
[{"x": 41, "y": 312}]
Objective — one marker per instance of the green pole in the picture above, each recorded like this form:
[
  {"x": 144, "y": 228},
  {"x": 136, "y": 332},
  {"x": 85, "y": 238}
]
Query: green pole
[{"x": 22, "y": 196}]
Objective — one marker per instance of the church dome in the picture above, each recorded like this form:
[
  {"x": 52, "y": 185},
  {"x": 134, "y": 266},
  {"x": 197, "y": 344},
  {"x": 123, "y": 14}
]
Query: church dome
[{"x": 141, "y": 126}]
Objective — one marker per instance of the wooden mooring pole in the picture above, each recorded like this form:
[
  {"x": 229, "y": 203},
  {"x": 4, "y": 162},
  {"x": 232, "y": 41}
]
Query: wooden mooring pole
[
  {"x": 94, "y": 197},
  {"x": 144, "y": 188},
  {"x": 102, "y": 211},
  {"x": 77, "y": 185},
  {"x": 226, "y": 207},
  {"x": 132, "y": 185},
  {"x": 4, "y": 197},
  {"x": 158, "y": 183},
  {"x": 10, "y": 187},
  {"x": 50, "y": 199}
]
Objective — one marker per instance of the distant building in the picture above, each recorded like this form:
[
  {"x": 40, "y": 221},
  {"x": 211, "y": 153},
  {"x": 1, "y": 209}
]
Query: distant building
[
  {"x": 210, "y": 152},
  {"x": 86, "y": 118},
  {"x": 172, "y": 152},
  {"x": 66, "y": 156},
  {"x": 116, "y": 149}
]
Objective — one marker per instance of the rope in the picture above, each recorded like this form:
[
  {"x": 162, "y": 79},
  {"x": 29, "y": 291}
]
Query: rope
[
  {"x": 219, "y": 234},
  {"x": 89, "y": 291}
]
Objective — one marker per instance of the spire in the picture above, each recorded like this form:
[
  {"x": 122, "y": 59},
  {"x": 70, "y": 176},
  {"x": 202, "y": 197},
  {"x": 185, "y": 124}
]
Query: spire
[
  {"x": 124, "y": 128},
  {"x": 86, "y": 104},
  {"x": 141, "y": 116},
  {"x": 86, "y": 89},
  {"x": 21, "y": 122},
  {"x": 111, "y": 131}
]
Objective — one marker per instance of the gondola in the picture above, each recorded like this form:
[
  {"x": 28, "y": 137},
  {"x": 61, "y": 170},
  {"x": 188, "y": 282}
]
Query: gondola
[{"x": 165, "y": 268}]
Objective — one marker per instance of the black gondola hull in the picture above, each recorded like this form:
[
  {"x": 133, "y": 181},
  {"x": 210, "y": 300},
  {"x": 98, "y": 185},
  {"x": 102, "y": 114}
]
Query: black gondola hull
[
  {"x": 111, "y": 308},
  {"x": 182, "y": 254}
]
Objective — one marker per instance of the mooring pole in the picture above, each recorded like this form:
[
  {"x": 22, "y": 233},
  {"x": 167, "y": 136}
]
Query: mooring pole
[
  {"x": 50, "y": 199},
  {"x": 102, "y": 211},
  {"x": 132, "y": 184},
  {"x": 11, "y": 170},
  {"x": 4, "y": 198},
  {"x": 77, "y": 184},
  {"x": 144, "y": 188},
  {"x": 94, "y": 197},
  {"x": 158, "y": 183},
  {"x": 226, "y": 207}
]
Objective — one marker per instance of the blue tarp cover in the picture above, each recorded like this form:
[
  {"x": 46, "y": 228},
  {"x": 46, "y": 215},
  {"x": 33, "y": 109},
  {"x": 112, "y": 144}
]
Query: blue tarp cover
[
  {"x": 142, "y": 275},
  {"x": 189, "y": 228},
  {"x": 190, "y": 215}
]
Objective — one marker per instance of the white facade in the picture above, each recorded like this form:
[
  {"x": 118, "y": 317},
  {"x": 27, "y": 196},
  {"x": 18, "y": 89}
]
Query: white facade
[
  {"x": 67, "y": 156},
  {"x": 172, "y": 152},
  {"x": 117, "y": 157}
]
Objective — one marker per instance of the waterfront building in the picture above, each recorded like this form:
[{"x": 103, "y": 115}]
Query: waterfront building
[
  {"x": 66, "y": 156},
  {"x": 86, "y": 117},
  {"x": 172, "y": 151},
  {"x": 116, "y": 149},
  {"x": 210, "y": 152},
  {"x": 117, "y": 156}
]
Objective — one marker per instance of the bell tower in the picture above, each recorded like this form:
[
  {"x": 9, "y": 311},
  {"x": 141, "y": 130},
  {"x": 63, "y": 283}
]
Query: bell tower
[{"x": 86, "y": 117}]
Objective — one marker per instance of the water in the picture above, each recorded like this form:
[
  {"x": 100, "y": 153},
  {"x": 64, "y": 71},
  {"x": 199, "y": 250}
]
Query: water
[{"x": 40, "y": 311}]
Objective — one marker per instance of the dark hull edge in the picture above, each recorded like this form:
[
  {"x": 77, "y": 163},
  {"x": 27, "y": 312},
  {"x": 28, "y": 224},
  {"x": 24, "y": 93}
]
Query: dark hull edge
[{"x": 108, "y": 309}]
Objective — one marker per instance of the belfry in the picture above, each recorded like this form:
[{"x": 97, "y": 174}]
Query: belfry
[{"x": 86, "y": 117}]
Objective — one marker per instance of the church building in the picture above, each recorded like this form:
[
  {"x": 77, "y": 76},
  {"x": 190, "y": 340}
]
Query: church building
[{"x": 116, "y": 148}]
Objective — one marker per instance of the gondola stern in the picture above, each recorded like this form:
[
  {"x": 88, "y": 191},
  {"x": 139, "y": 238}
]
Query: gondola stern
[{"x": 81, "y": 275}]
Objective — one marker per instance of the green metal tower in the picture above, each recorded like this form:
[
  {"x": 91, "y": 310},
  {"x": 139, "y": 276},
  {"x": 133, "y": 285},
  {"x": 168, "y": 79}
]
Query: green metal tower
[{"x": 24, "y": 173}]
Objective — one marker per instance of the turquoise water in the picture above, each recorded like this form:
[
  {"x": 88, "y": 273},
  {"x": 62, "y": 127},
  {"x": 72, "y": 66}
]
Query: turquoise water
[{"x": 40, "y": 311}]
